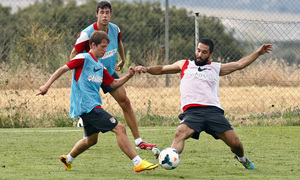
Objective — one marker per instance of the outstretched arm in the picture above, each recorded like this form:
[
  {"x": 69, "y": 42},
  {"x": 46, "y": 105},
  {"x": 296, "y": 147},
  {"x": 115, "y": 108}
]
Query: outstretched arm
[
  {"x": 44, "y": 89},
  {"x": 244, "y": 62},
  {"x": 157, "y": 70},
  {"x": 119, "y": 82}
]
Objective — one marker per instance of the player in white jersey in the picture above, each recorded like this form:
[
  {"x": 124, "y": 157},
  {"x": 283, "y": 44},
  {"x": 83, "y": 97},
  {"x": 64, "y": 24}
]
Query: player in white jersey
[
  {"x": 103, "y": 14},
  {"x": 199, "y": 89}
]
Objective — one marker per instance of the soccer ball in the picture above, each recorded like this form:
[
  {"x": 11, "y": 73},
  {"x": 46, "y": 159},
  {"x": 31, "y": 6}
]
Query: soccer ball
[
  {"x": 169, "y": 158},
  {"x": 80, "y": 123}
]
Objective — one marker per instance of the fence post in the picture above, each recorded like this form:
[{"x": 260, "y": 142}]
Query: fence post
[
  {"x": 167, "y": 37},
  {"x": 196, "y": 29}
]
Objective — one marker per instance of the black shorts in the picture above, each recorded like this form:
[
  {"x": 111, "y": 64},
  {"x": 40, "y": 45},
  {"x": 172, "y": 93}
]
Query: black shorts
[
  {"x": 98, "y": 120},
  {"x": 209, "y": 119},
  {"x": 107, "y": 88}
]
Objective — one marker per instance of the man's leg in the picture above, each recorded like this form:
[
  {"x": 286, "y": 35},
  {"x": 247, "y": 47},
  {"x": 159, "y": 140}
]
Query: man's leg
[
  {"x": 123, "y": 141},
  {"x": 84, "y": 144},
  {"x": 236, "y": 146},
  {"x": 232, "y": 140},
  {"x": 182, "y": 133},
  {"x": 120, "y": 96},
  {"x": 126, "y": 147},
  {"x": 79, "y": 148}
]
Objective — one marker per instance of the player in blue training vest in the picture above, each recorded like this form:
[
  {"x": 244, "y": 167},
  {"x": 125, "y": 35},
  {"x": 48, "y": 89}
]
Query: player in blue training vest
[
  {"x": 86, "y": 86},
  {"x": 89, "y": 75},
  {"x": 110, "y": 57},
  {"x": 103, "y": 13}
]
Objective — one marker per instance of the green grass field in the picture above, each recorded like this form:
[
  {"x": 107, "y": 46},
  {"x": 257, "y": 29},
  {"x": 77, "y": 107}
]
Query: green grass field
[{"x": 34, "y": 154}]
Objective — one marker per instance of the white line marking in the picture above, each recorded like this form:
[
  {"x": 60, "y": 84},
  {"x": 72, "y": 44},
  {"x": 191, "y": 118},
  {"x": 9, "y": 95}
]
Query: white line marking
[
  {"x": 29, "y": 131},
  {"x": 46, "y": 131}
]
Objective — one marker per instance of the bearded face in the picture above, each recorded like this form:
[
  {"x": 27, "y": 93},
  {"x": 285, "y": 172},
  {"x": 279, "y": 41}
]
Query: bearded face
[
  {"x": 200, "y": 61},
  {"x": 202, "y": 55}
]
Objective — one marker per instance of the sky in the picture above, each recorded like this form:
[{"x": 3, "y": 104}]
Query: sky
[
  {"x": 266, "y": 6},
  {"x": 250, "y": 17}
]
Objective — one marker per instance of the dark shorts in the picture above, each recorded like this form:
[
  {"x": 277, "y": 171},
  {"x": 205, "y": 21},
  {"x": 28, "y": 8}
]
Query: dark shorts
[
  {"x": 98, "y": 120},
  {"x": 209, "y": 119},
  {"x": 107, "y": 88}
]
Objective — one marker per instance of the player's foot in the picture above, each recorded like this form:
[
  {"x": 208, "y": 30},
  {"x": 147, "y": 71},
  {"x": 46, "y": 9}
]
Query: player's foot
[
  {"x": 248, "y": 164},
  {"x": 63, "y": 159},
  {"x": 145, "y": 145},
  {"x": 156, "y": 152},
  {"x": 84, "y": 136},
  {"x": 145, "y": 165}
]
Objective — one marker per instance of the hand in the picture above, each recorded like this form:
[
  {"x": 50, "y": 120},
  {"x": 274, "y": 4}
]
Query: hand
[
  {"x": 265, "y": 48},
  {"x": 141, "y": 69},
  {"x": 119, "y": 66},
  {"x": 43, "y": 90},
  {"x": 131, "y": 71}
]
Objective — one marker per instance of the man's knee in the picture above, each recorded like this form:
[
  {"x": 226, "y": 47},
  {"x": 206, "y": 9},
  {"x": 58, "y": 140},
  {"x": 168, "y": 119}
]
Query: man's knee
[
  {"x": 121, "y": 97},
  {"x": 91, "y": 141},
  {"x": 178, "y": 135},
  {"x": 236, "y": 143},
  {"x": 183, "y": 132},
  {"x": 120, "y": 128},
  {"x": 124, "y": 101}
]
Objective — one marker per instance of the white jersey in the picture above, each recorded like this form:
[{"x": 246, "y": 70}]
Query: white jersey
[{"x": 200, "y": 84}]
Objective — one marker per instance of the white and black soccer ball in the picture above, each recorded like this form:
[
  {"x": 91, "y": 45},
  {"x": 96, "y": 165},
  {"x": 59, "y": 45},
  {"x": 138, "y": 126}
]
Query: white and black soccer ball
[
  {"x": 169, "y": 158},
  {"x": 80, "y": 123}
]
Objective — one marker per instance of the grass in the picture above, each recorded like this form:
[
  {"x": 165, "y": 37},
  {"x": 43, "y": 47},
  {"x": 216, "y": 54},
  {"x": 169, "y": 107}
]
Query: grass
[{"x": 34, "y": 154}]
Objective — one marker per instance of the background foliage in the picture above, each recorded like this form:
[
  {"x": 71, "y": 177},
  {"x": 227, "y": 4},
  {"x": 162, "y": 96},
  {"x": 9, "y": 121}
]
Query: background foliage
[{"x": 45, "y": 33}]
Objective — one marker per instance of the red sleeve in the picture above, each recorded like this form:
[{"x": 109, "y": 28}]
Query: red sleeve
[
  {"x": 107, "y": 79},
  {"x": 80, "y": 47},
  {"x": 119, "y": 37},
  {"x": 82, "y": 43},
  {"x": 77, "y": 65}
]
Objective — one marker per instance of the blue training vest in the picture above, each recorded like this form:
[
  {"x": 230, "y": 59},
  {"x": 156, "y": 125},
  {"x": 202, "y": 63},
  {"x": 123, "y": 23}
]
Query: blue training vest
[
  {"x": 110, "y": 57},
  {"x": 85, "y": 92}
]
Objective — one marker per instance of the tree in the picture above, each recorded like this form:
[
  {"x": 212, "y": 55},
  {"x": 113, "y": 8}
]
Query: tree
[
  {"x": 5, "y": 33},
  {"x": 47, "y": 30}
]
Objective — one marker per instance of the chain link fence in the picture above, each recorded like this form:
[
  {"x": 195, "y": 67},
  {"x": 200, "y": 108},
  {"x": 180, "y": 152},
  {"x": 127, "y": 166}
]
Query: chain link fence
[{"x": 38, "y": 36}]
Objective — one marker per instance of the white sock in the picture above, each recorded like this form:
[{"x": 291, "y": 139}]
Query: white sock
[
  {"x": 137, "y": 160},
  {"x": 70, "y": 159},
  {"x": 138, "y": 141},
  {"x": 242, "y": 159}
]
